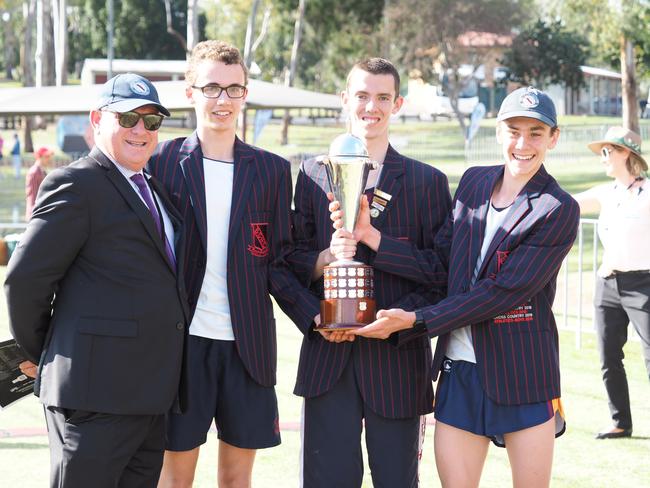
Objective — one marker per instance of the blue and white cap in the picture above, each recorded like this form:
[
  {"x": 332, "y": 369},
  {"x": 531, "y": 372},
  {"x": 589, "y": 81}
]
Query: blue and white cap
[
  {"x": 128, "y": 91},
  {"x": 528, "y": 102}
]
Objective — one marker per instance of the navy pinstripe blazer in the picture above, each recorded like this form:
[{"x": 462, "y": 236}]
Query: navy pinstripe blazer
[
  {"x": 509, "y": 306},
  {"x": 259, "y": 237},
  {"x": 395, "y": 383}
]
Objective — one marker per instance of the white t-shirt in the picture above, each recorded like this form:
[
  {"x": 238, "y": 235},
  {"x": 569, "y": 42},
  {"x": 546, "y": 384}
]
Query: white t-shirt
[
  {"x": 212, "y": 316},
  {"x": 623, "y": 226},
  {"x": 460, "y": 346}
]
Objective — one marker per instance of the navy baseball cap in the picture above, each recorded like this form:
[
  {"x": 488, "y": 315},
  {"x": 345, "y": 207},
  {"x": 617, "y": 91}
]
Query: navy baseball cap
[
  {"x": 528, "y": 102},
  {"x": 128, "y": 91}
]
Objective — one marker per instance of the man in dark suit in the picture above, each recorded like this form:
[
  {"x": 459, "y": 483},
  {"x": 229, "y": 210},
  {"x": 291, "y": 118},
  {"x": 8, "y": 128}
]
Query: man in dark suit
[
  {"x": 235, "y": 200},
  {"x": 497, "y": 351},
  {"x": 94, "y": 300},
  {"x": 368, "y": 382}
]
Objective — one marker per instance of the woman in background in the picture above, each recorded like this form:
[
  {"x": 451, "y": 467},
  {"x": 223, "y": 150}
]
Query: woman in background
[{"x": 622, "y": 292}]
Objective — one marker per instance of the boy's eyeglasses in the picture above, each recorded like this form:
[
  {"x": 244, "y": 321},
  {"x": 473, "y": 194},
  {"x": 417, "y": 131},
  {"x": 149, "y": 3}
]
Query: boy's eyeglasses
[
  {"x": 214, "y": 91},
  {"x": 129, "y": 120}
]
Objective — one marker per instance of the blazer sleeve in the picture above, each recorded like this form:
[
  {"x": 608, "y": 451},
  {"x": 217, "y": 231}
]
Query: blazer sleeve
[
  {"x": 293, "y": 297},
  {"x": 54, "y": 236},
  {"x": 531, "y": 264},
  {"x": 423, "y": 264}
]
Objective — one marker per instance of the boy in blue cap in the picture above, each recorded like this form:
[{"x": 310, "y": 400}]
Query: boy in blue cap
[{"x": 497, "y": 349}]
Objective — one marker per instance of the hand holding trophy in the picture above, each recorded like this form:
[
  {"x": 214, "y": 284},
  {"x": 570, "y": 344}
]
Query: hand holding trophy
[{"x": 349, "y": 288}]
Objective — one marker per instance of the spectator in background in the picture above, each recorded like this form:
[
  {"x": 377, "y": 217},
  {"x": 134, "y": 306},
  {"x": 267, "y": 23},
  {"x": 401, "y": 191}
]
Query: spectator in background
[
  {"x": 15, "y": 155},
  {"x": 35, "y": 177},
  {"x": 2, "y": 143},
  {"x": 623, "y": 282}
]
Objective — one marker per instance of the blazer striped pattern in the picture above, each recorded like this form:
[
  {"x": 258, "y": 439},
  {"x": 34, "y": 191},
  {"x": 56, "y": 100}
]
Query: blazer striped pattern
[
  {"x": 259, "y": 238},
  {"x": 395, "y": 383},
  {"x": 509, "y": 306}
]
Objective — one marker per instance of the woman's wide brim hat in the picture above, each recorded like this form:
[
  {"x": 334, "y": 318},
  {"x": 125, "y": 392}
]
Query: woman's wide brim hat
[{"x": 619, "y": 136}]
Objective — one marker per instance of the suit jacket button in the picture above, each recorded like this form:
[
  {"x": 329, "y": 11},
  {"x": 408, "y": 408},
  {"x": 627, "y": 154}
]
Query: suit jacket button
[{"x": 180, "y": 326}]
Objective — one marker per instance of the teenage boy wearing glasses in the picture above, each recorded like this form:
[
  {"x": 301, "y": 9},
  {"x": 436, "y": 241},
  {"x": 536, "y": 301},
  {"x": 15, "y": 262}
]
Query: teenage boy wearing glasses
[
  {"x": 235, "y": 200},
  {"x": 94, "y": 300}
]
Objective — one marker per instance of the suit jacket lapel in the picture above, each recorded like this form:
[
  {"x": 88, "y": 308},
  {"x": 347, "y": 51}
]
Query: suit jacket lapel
[
  {"x": 191, "y": 162},
  {"x": 479, "y": 217},
  {"x": 244, "y": 174},
  {"x": 390, "y": 182},
  {"x": 520, "y": 208},
  {"x": 132, "y": 199}
]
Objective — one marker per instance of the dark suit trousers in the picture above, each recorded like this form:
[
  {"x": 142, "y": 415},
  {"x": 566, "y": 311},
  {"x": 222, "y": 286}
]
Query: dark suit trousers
[
  {"x": 100, "y": 450},
  {"x": 621, "y": 299},
  {"x": 332, "y": 426}
]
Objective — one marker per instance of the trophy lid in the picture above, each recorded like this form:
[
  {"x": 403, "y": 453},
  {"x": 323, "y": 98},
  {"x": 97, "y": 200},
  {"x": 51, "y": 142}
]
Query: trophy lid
[{"x": 346, "y": 146}]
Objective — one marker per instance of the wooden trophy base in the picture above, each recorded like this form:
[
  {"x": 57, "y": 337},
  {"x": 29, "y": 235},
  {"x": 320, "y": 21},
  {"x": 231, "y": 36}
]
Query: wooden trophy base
[
  {"x": 349, "y": 296},
  {"x": 346, "y": 313}
]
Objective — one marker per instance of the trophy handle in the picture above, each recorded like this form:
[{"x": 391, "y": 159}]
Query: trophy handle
[{"x": 325, "y": 161}]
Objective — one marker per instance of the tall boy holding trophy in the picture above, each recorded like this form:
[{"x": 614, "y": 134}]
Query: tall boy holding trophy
[{"x": 349, "y": 383}]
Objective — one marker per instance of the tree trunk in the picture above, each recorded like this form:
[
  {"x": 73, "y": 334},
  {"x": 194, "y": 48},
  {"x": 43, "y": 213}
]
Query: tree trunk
[
  {"x": 250, "y": 32},
  {"x": 49, "y": 76},
  {"x": 29, "y": 7},
  {"x": 192, "y": 24},
  {"x": 38, "y": 54},
  {"x": 290, "y": 74},
  {"x": 8, "y": 42},
  {"x": 629, "y": 86},
  {"x": 170, "y": 26},
  {"x": 60, "y": 22}
]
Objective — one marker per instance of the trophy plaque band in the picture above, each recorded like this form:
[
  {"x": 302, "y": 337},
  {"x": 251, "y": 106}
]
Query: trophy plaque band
[{"x": 349, "y": 296}]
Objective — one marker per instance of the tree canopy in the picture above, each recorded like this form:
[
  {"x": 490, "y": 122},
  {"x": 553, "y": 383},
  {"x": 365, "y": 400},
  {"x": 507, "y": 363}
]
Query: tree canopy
[{"x": 547, "y": 53}]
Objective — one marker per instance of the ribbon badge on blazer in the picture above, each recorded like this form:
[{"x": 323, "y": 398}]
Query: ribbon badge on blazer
[
  {"x": 379, "y": 201},
  {"x": 260, "y": 246}
]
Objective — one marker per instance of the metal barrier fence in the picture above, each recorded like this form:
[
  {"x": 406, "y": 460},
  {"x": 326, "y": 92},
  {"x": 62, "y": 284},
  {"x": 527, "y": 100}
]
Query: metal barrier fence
[
  {"x": 573, "y": 305},
  {"x": 576, "y": 260}
]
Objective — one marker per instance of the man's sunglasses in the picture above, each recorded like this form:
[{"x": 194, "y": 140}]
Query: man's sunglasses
[
  {"x": 129, "y": 120},
  {"x": 214, "y": 91}
]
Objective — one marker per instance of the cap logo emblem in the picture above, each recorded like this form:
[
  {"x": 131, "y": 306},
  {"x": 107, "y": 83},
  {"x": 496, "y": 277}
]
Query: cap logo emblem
[
  {"x": 529, "y": 100},
  {"x": 139, "y": 88}
]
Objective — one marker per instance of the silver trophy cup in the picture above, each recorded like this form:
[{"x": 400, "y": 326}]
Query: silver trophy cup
[{"x": 348, "y": 285}]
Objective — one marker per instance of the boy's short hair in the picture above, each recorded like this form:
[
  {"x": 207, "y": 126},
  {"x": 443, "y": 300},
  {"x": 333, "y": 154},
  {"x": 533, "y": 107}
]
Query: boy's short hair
[
  {"x": 213, "y": 50},
  {"x": 377, "y": 66}
]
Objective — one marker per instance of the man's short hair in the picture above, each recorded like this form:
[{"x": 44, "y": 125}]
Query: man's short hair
[
  {"x": 213, "y": 51},
  {"x": 377, "y": 66}
]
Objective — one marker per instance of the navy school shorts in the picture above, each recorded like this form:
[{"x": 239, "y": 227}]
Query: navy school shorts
[
  {"x": 220, "y": 389},
  {"x": 462, "y": 403}
]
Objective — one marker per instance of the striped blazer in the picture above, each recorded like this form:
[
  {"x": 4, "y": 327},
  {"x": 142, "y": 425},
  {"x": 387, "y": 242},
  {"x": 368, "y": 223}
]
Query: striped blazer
[
  {"x": 395, "y": 383},
  {"x": 509, "y": 306},
  {"x": 259, "y": 237}
]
